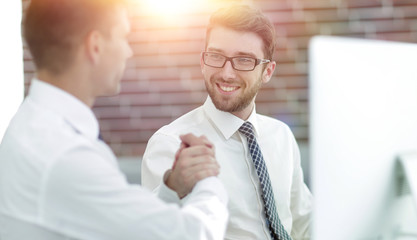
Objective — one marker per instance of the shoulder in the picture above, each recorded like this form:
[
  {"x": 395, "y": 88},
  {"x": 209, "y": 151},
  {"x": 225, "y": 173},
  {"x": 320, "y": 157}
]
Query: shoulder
[
  {"x": 36, "y": 133},
  {"x": 272, "y": 124},
  {"x": 184, "y": 124},
  {"x": 275, "y": 130}
]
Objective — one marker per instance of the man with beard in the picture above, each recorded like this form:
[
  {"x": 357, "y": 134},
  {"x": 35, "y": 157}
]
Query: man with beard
[{"x": 258, "y": 155}]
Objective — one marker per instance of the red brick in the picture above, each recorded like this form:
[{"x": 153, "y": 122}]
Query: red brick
[{"x": 163, "y": 78}]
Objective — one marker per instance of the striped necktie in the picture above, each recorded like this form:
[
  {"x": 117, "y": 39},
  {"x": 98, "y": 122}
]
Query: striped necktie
[{"x": 276, "y": 229}]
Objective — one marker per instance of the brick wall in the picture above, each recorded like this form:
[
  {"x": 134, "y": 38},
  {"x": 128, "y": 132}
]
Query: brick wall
[{"x": 163, "y": 80}]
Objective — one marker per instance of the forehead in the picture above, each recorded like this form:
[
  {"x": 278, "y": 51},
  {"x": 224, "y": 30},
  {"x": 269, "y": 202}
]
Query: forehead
[
  {"x": 119, "y": 20},
  {"x": 231, "y": 42}
]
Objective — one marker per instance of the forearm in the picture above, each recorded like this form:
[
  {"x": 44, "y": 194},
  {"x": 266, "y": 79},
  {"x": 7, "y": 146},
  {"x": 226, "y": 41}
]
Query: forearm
[
  {"x": 110, "y": 208},
  {"x": 159, "y": 156}
]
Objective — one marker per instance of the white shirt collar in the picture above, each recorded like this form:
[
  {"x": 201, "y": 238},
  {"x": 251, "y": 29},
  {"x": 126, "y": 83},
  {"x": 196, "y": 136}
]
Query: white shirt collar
[
  {"x": 75, "y": 112},
  {"x": 226, "y": 122}
]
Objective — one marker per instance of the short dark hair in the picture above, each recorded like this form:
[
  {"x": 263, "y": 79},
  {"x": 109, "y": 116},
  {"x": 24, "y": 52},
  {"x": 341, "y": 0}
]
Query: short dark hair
[
  {"x": 248, "y": 19},
  {"x": 53, "y": 29}
]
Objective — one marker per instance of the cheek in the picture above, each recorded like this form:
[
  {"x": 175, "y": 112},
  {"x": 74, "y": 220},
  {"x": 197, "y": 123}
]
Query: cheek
[
  {"x": 117, "y": 51},
  {"x": 207, "y": 73},
  {"x": 258, "y": 77}
]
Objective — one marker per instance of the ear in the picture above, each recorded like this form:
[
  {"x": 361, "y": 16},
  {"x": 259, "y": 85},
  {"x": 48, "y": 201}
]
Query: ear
[
  {"x": 93, "y": 46},
  {"x": 269, "y": 70}
]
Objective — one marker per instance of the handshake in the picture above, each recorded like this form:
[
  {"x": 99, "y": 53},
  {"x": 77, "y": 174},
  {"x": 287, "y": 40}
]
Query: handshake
[{"x": 194, "y": 161}]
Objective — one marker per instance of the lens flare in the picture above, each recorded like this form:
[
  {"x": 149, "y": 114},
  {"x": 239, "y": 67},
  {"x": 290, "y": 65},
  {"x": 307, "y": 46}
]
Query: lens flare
[{"x": 170, "y": 7}]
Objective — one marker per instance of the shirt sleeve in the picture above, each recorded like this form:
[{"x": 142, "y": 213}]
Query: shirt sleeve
[
  {"x": 301, "y": 200},
  {"x": 157, "y": 159},
  {"x": 87, "y": 197}
]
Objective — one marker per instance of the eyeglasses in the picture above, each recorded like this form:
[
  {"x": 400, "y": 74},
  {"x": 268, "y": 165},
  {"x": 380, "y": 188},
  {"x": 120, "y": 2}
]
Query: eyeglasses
[{"x": 239, "y": 63}]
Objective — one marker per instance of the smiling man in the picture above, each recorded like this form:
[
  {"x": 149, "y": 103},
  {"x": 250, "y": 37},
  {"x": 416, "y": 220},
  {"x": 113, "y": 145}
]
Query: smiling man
[{"x": 258, "y": 155}]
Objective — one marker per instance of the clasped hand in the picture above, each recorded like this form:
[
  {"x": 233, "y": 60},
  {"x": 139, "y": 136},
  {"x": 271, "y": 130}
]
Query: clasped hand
[{"x": 194, "y": 161}]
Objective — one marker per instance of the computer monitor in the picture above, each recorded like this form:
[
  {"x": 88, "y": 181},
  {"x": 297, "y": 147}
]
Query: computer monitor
[{"x": 363, "y": 114}]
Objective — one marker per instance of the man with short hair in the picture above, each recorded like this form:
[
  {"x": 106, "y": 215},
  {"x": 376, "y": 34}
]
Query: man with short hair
[
  {"x": 258, "y": 155},
  {"x": 58, "y": 180}
]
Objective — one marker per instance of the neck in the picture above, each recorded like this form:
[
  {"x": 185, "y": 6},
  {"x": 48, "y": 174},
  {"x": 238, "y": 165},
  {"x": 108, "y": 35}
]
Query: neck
[
  {"x": 245, "y": 113},
  {"x": 74, "y": 84}
]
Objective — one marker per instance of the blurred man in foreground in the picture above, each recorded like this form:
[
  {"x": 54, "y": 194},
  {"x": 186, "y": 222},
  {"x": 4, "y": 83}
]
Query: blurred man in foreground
[{"x": 58, "y": 180}]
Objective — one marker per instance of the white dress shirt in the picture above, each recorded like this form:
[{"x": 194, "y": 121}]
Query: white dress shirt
[
  {"x": 55, "y": 174},
  {"x": 237, "y": 172}
]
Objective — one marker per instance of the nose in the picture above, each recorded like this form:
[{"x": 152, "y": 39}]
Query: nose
[
  {"x": 129, "y": 51},
  {"x": 227, "y": 71}
]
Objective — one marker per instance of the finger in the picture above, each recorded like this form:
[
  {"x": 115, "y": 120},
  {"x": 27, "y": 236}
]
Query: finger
[
  {"x": 191, "y": 140},
  {"x": 206, "y": 142},
  {"x": 196, "y": 151},
  {"x": 177, "y": 155},
  {"x": 184, "y": 163},
  {"x": 182, "y": 146},
  {"x": 199, "y": 172},
  {"x": 185, "y": 178}
]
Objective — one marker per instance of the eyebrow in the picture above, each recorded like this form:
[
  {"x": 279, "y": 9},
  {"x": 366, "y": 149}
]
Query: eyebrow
[{"x": 238, "y": 53}]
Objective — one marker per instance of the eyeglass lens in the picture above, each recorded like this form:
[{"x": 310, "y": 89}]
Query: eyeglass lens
[{"x": 238, "y": 63}]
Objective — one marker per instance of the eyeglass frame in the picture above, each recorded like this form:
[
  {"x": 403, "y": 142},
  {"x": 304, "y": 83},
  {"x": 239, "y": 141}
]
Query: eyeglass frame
[{"x": 230, "y": 59}]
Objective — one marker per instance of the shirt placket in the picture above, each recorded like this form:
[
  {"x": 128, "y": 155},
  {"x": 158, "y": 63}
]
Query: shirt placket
[{"x": 255, "y": 183}]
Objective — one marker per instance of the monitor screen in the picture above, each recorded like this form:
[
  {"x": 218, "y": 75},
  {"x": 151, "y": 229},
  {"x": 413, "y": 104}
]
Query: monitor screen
[{"x": 363, "y": 114}]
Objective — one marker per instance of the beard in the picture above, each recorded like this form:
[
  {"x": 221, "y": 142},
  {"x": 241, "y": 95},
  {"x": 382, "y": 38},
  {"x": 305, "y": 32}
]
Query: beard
[{"x": 229, "y": 104}]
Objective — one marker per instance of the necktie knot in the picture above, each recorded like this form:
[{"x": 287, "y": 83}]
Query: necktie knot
[{"x": 247, "y": 130}]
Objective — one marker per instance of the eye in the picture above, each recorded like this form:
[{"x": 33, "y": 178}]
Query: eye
[
  {"x": 245, "y": 60},
  {"x": 215, "y": 56}
]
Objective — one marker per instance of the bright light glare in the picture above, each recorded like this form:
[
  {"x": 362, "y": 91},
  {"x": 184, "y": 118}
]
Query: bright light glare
[
  {"x": 174, "y": 7},
  {"x": 11, "y": 62}
]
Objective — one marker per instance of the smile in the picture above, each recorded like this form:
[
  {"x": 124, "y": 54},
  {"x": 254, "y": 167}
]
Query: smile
[{"x": 227, "y": 88}]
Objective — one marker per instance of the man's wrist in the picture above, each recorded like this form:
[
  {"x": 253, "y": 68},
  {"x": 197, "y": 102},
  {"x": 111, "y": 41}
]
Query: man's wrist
[
  {"x": 167, "y": 174},
  {"x": 168, "y": 182}
]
